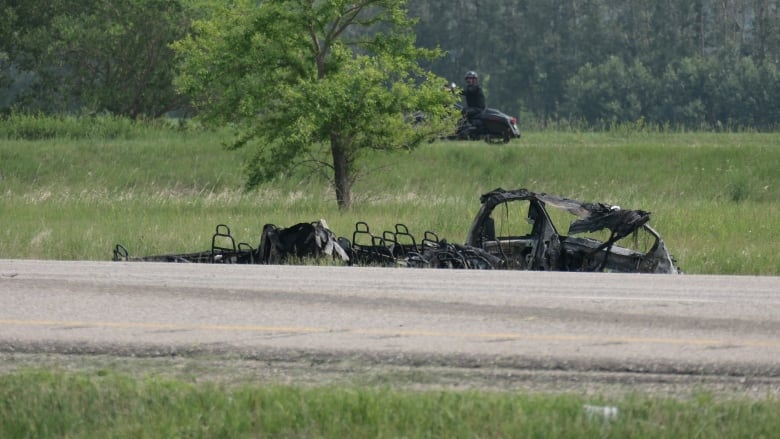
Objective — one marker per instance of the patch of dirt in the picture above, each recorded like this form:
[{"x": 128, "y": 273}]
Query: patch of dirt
[{"x": 301, "y": 369}]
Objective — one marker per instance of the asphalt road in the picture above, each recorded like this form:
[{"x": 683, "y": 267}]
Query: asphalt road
[{"x": 684, "y": 325}]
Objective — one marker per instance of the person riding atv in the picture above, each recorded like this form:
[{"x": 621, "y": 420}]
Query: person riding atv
[
  {"x": 478, "y": 121},
  {"x": 475, "y": 99}
]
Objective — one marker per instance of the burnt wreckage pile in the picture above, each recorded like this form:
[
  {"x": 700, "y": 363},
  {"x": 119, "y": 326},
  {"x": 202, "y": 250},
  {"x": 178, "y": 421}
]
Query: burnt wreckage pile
[
  {"x": 304, "y": 242},
  {"x": 514, "y": 230}
]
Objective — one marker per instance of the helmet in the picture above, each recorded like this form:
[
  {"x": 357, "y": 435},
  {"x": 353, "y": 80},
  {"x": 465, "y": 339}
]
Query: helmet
[{"x": 471, "y": 74}]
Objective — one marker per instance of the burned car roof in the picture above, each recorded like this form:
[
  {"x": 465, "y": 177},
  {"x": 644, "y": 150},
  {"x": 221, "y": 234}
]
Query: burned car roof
[{"x": 544, "y": 247}]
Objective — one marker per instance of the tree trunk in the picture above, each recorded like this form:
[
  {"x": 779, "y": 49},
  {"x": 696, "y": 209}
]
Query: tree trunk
[{"x": 341, "y": 171}]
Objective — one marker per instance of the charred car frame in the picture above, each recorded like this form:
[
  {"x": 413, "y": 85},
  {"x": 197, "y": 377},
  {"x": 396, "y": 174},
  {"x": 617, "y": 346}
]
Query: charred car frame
[
  {"x": 517, "y": 226},
  {"x": 513, "y": 230}
]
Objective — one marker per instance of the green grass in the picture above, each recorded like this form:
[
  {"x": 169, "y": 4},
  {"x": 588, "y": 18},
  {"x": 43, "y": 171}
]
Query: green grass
[
  {"x": 714, "y": 197},
  {"x": 41, "y": 404},
  {"x": 71, "y": 189}
]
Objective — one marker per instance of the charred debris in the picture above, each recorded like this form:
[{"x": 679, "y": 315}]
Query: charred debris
[{"x": 513, "y": 230}]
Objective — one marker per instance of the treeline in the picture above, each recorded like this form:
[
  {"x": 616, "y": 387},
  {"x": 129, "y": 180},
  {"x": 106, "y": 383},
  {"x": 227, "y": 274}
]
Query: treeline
[
  {"x": 679, "y": 63},
  {"x": 690, "y": 63},
  {"x": 91, "y": 56}
]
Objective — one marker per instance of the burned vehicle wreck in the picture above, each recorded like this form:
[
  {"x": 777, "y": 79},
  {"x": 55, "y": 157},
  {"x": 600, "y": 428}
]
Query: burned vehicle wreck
[
  {"x": 288, "y": 245},
  {"x": 520, "y": 228},
  {"x": 513, "y": 230}
]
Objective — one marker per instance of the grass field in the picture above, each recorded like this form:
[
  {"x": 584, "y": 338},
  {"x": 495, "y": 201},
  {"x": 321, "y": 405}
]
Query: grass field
[
  {"x": 75, "y": 192},
  {"x": 714, "y": 196},
  {"x": 45, "y": 404}
]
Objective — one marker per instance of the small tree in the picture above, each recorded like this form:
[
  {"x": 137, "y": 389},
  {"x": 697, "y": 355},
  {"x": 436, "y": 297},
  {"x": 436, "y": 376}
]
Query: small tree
[{"x": 295, "y": 75}]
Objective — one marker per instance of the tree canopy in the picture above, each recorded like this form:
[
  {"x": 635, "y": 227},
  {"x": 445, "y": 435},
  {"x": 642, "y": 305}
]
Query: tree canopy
[
  {"x": 313, "y": 83},
  {"x": 95, "y": 55}
]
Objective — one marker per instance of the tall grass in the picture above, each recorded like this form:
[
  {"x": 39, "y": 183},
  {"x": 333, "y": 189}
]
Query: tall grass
[
  {"x": 43, "y": 404},
  {"x": 19, "y": 126},
  {"x": 714, "y": 197}
]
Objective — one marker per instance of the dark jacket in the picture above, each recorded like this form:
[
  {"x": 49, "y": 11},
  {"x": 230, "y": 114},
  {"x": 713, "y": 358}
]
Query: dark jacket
[{"x": 475, "y": 98}]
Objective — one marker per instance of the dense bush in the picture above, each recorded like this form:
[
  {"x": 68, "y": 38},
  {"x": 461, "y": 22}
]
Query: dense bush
[{"x": 691, "y": 93}]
